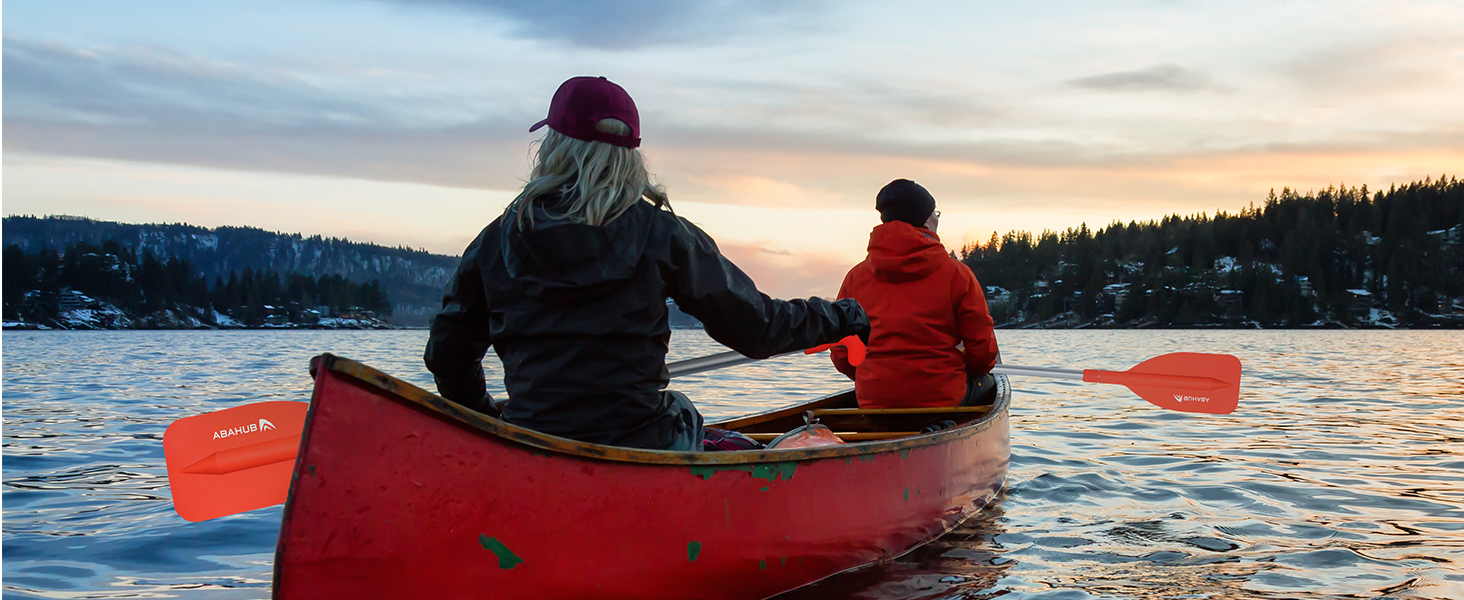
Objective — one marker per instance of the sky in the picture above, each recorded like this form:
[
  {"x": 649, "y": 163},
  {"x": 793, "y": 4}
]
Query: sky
[{"x": 772, "y": 124}]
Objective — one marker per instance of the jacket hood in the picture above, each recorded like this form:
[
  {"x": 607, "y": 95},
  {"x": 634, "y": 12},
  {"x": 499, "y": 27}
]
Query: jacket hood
[
  {"x": 899, "y": 251},
  {"x": 564, "y": 263}
]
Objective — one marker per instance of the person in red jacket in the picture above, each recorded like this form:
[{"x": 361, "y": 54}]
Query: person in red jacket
[{"x": 921, "y": 304}]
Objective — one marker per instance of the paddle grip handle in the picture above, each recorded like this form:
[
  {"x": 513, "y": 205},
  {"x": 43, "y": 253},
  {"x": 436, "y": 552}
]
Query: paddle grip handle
[
  {"x": 852, "y": 343},
  {"x": 1131, "y": 378}
]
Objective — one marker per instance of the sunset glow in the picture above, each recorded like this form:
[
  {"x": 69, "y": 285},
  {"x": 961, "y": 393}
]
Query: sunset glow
[{"x": 772, "y": 125}]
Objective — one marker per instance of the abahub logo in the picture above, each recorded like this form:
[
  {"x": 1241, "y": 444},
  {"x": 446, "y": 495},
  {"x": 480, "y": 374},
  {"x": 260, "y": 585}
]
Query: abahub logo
[
  {"x": 262, "y": 425},
  {"x": 1182, "y": 398}
]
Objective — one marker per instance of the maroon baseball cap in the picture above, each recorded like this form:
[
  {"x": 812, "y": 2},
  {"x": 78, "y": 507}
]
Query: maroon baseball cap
[{"x": 581, "y": 102}]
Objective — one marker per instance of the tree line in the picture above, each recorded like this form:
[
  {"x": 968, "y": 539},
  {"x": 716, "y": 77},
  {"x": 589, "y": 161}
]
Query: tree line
[
  {"x": 38, "y": 285},
  {"x": 413, "y": 278},
  {"x": 1333, "y": 255}
]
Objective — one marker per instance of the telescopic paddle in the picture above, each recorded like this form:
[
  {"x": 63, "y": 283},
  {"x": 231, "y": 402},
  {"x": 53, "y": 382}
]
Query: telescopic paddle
[
  {"x": 241, "y": 458},
  {"x": 1182, "y": 381}
]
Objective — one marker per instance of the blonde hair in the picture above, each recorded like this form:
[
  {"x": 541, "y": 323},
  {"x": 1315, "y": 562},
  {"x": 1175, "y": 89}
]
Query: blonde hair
[{"x": 602, "y": 180}]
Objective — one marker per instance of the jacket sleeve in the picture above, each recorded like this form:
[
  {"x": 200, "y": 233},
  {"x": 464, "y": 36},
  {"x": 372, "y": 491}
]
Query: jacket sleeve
[
  {"x": 709, "y": 287},
  {"x": 840, "y": 354},
  {"x": 974, "y": 323},
  {"x": 459, "y": 336}
]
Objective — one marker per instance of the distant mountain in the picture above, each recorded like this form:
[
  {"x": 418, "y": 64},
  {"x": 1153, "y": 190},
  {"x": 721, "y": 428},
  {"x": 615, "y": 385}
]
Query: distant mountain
[{"x": 413, "y": 279}]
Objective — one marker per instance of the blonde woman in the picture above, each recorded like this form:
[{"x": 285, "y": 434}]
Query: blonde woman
[{"x": 569, "y": 285}]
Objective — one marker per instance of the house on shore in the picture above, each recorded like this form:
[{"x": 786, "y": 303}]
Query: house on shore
[{"x": 1362, "y": 300}]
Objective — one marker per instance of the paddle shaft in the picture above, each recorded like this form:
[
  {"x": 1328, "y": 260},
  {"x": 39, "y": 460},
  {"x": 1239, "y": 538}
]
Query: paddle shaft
[
  {"x": 731, "y": 358},
  {"x": 1037, "y": 372},
  {"x": 238, "y": 459},
  {"x": 1186, "y": 382},
  {"x": 255, "y": 455},
  {"x": 712, "y": 362}
]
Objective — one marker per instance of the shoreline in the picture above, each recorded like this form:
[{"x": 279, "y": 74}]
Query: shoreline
[
  {"x": 1330, "y": 326},
  {"x": 26, "y": 326}
]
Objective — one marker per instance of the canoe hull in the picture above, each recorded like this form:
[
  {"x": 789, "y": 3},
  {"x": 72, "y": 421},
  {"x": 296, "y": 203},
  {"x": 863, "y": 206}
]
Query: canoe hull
[{"x": 393, "y": 500}]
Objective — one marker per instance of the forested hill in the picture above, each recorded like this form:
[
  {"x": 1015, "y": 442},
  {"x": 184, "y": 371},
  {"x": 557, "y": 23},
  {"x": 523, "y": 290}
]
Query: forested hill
[
  {"x": 413, "y": 279},
  {"x": 1336, "y": 257}
]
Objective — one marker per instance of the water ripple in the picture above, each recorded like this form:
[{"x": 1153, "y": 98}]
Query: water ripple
[{"x": 1336, "y": 478}]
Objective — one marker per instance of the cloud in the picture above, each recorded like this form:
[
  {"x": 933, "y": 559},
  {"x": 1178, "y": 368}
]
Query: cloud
[
  {"x": 736, "y": 142},
  {"x": 1158, "y": 78},
  {"x": 1380, "y": 66},
  {"x": 633, "y": 24},
  {"x": 858, "y": 104},
  {"x": 788, "y": 275},
  {"x": 153, "y": 105}
]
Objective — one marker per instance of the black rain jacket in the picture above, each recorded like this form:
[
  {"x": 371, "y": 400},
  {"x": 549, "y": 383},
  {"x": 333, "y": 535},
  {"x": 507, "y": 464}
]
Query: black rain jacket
[{"x": 578, "y": 316}]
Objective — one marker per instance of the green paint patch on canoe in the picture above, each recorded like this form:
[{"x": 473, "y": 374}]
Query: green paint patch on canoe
[
  {"x": 762, "y": 489},
  {"x": 905, "y": 453},
  {"x": 772, "y": 471},
  {"x": 693, "y": 550},
  {"x": 907, "y": 493},
  {"x": 707, "y": 471},
  {"x": 506, "y": 558},
  {"x": 762, "y": 564},
  {"x": 768, "y": 471}
]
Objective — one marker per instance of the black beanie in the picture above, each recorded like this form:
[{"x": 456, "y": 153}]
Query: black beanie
[{"x": 904, "y": 200}]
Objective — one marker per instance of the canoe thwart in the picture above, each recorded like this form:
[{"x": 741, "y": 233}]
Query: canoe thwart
[
  {"x": 848, "y": 436},
  {"x": 819, "y": 412}
]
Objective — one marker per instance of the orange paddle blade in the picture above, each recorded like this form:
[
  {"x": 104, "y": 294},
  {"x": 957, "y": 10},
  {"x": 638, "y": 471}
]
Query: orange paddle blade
[
  {"x": 233, "y": 460},
  {"x": 1182, "y": 381},
  {"x": 853, "y": 343}
]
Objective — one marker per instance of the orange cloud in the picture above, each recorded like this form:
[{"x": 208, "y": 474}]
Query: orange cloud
[
  {"x": 1048, "y": 196},
  {"x": 782, "y": 274}
]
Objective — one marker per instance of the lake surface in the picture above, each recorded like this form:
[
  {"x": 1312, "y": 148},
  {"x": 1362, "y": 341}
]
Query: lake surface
[{"x": 1340, "y": 475}]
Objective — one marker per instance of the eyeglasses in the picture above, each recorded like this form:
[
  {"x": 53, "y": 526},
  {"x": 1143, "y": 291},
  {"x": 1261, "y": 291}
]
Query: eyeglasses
[{"x": 936, "y": 214}]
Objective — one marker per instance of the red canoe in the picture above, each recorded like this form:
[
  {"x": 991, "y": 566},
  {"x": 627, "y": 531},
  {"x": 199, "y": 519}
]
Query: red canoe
[{"x": 398, "y": 493}]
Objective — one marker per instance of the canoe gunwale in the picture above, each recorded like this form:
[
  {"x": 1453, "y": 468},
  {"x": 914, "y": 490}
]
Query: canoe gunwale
[{"x": 362, "y": 374}]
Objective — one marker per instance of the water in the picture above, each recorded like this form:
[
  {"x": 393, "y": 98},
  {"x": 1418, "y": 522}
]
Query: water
[{"x": 1338, "y": 477}]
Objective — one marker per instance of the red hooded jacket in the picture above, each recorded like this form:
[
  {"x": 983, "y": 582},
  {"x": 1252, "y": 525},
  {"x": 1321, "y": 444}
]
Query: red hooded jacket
[{"x": 921, "y": 303}]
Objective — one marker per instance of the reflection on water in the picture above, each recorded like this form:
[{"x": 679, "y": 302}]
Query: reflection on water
[{"x": 1337, "y": 477}]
